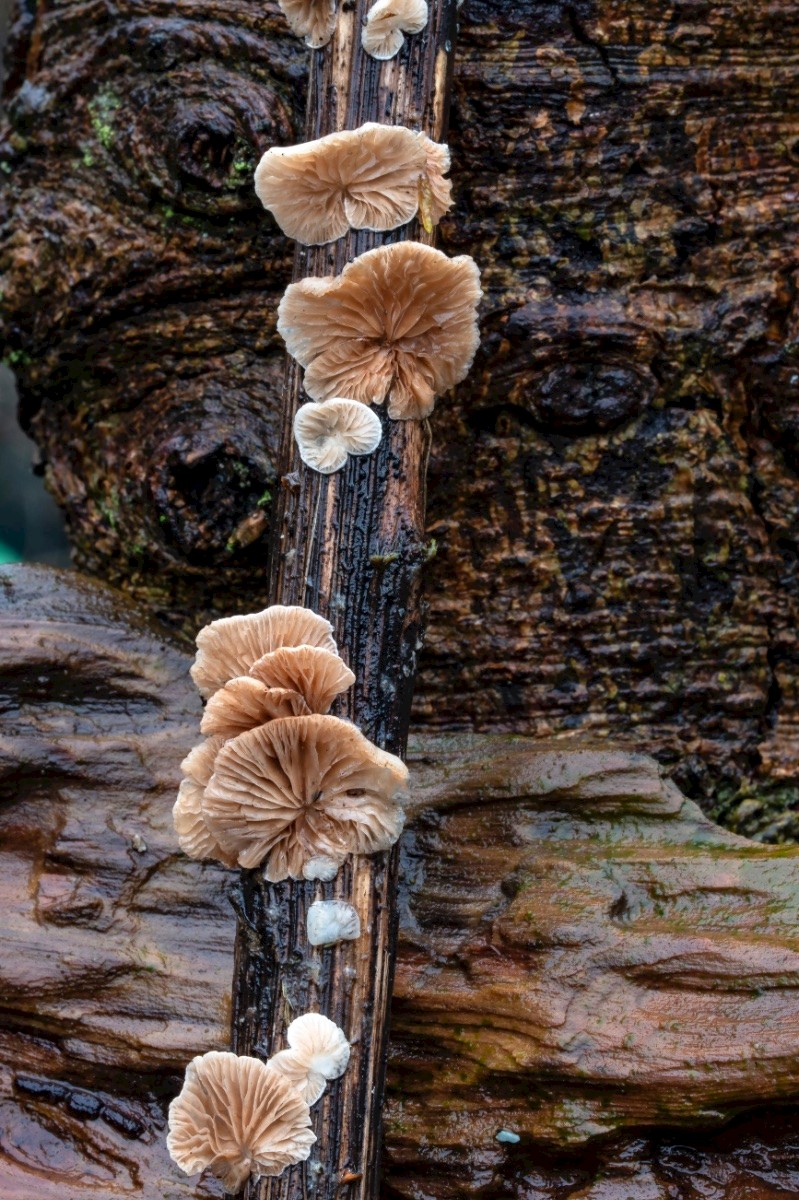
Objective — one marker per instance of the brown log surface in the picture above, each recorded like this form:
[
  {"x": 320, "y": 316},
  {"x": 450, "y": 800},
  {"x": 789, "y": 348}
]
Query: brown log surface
[{"x": 610, "y": 965}]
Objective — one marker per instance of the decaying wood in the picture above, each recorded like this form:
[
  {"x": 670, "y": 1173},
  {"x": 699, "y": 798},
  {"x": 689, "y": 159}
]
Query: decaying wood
[
  {"x": 610, "y": 964},
  {"x": 351, "y": 546}
]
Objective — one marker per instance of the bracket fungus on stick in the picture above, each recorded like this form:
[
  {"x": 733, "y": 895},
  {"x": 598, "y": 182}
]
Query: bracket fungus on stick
[
  {"x": 310, "y": 671},
  {"x": 375, "y": 177},
  {"x": 194, "y": 836},
  {"x": 388, "y": 21},
  {"x": 245, "y": 702},
  {"x": 319, "y": 1051},
  {"x": 400, "y": 322},
  {"x": 313, "y": 20},
  {"x": 304, "y": 790},
  {"x": 327, "y": 434},
  {"x": 235, "y": 1117}
]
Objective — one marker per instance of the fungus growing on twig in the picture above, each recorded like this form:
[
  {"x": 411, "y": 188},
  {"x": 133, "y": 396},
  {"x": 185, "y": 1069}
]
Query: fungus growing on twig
[
  {"x": 327, "y": 434},
  {"x": 313, "y": 20},
  {"x": 319, "y": 1052},
  {"x": 245, "y": 702},
  {"x": 374, "y": 177},
  {"x": 399, "y": 322},
  {"x": 388, "y": 21},
  {"x": 332, "y": 921},
  {"x": 194, "y": 836},
  {"x": 315, "y": 674},
  {"x": 302, "y": 789},
  {"x": 228, "y": 647},
  {"x": 235, "y": 1117}
]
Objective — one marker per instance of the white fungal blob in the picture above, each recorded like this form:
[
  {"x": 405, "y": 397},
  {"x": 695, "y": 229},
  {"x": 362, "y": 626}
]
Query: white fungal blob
[
  {"x": 327, "y": 434},
  {"x": 321, "y": 868},
  {"x": 331, "y": 921},
  {"x": 319, "y": 1051}
]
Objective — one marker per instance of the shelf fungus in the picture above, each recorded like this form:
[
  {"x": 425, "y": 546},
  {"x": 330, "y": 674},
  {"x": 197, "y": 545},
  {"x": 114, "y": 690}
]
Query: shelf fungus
[
  {"x": 332, "y": 921},
  {"x": 327, "y": 434},
  {"x": 315, "y": 674},
  {"x": 235, "y": 1117},
  {"x": 399, "y": 323},
  {"x": 319, "y": 1051},
  {"x": 376, "y": 177},
  {"x": 304, "y": 790},
  {"x": 387, "y": 23},
  {"x": 245, "y": 702},
  {"x": 312, "y": 20},
  {"x": 194, "y": 836},
  {"x": 227, "y": 648}
]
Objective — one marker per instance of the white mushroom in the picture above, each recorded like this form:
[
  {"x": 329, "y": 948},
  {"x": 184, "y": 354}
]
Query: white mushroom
[
  {"x": 319, "y": 1051},
  {"x": 327, "y": 434},
  {"x": 332, "y": 921},
  {"x": 388, "y": 21}
]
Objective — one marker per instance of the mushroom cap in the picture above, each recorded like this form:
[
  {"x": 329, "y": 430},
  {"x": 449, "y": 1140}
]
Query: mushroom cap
[
  {"x": 332, "y": 921},
  {"x": 314, "y": 20},
  {"x": 327, "y": 434},
  {"x": 438, "y": 200},
  {"x": 365, "y": 178},
  {"x": 235, "y": 1117},
  {"x": 319, "y": 1051},
  {"x": 228, "y": 647},
  {"x": 194, "y": 837},
  {"x": 316, "y": 674},
  {"x": 386, "y": 23},
  {"x": 400, "y": 321},
  {"x": 301, "y": 789},
  {"x": 245, "y": 702}
]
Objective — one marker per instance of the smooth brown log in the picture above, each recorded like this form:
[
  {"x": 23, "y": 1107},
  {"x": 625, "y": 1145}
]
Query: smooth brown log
[{"x": 351, "y": 546}]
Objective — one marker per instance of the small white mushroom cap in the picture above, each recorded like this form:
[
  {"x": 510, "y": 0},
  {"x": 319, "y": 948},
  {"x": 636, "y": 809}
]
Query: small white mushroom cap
[
  {"x": 319, "y": 1051},
  {"x": 313, "y": 20},
  {"x": 332, "y": 921},
  {"x": 388, "y": 21},
  {"x": 327, "y": 434},
  {"x": 322, "y": 868},
  {"x": 235, "y": 1117}
]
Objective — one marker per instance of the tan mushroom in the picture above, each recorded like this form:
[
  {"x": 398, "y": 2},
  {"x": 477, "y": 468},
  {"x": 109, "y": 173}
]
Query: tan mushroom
[
  {"x": 235, "y": 1117},
  {"x": 399, "y": 322},
  {"x": 388, "y": 21},
  {"x": 317, "y": 675},
  {"x": 304, "y": 789},
  {"x": 245, "y": 702},
  {"x": 435, "y": 192},
  {"x": 313, "y": 20},
  {"x": 194, "y": 836},
  {"x": 367, "y": 178},
  {"x": 327, "y": 434},
  {"x": 319, "y": 1051},
  {"x": 228, "y": 647}
]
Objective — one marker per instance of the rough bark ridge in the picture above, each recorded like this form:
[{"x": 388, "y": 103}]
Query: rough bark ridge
[{"x": 352, "y": 547}]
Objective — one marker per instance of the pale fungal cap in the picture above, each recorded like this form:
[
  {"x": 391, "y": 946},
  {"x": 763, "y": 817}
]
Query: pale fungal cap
[
  {"x": 386, "y": 23},
  {"x": 194, "y": 837},
  {"x": 332, "y": 921},
  {"x": 374, "y": 177},
  {"x": 235, "y": 1117},
  {"x": 304, "y": 788},
  {"x": 327, "y": 434},
  {"x": 245, "y": 702},
  {"x": 319, "y": 1052},
  {"x": 228, "y": 647},
  {"x": 317, "y": 675},
  {"x": 313, "y": 20},
  {"x": 399, "y": 322},
  {"x": 322, "y": 868}
]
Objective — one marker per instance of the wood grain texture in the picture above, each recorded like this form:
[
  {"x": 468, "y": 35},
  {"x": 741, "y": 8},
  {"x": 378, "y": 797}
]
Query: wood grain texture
[{"x": 552, "y": 982}]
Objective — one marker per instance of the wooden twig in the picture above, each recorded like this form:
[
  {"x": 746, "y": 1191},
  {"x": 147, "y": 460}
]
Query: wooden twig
[{"x": 352, "y": 547}]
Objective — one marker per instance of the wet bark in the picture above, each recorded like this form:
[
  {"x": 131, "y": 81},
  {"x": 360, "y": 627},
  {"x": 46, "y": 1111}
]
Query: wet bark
[{"x": 352, "y": 547}]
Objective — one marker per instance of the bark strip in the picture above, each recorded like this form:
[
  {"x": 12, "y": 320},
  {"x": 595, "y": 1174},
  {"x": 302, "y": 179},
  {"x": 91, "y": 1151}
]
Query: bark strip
[{"x": 352, "y": 547}]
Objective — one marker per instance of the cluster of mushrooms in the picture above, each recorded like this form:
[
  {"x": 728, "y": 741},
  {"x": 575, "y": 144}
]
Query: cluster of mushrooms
[{"x": 277, "y": 782}]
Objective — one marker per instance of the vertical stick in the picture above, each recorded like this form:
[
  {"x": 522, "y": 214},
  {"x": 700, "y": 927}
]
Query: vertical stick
[{"x": 352, "y": 547}]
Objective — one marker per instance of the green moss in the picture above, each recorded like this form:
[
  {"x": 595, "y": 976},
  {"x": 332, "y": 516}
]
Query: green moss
[{"x": 103, "y": 108}]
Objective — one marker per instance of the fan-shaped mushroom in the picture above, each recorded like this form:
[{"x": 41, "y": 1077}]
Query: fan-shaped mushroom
[
  {"x": 194, "y": 836},
  {"x": 367, "y": 178},
  {"x": 317, "y": 675},
  {"x": 304, "y": 788},
  {"x": 313, "y": 20},
  {"x": 400, "y": 321},
  {"x": 245, "y": 702},
  {"x": 319, "y": 1052},
  {"x": 388, "y": 21},
  {"x": 327, "y": 434},
  {"x": 332, "y": 921},
  {"x": 235, "y": 1117},
  {"x": 228, "y": 647}
]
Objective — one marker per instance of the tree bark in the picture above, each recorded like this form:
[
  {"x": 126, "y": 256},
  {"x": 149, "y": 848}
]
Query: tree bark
[{"x": 352, "y": 547}]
